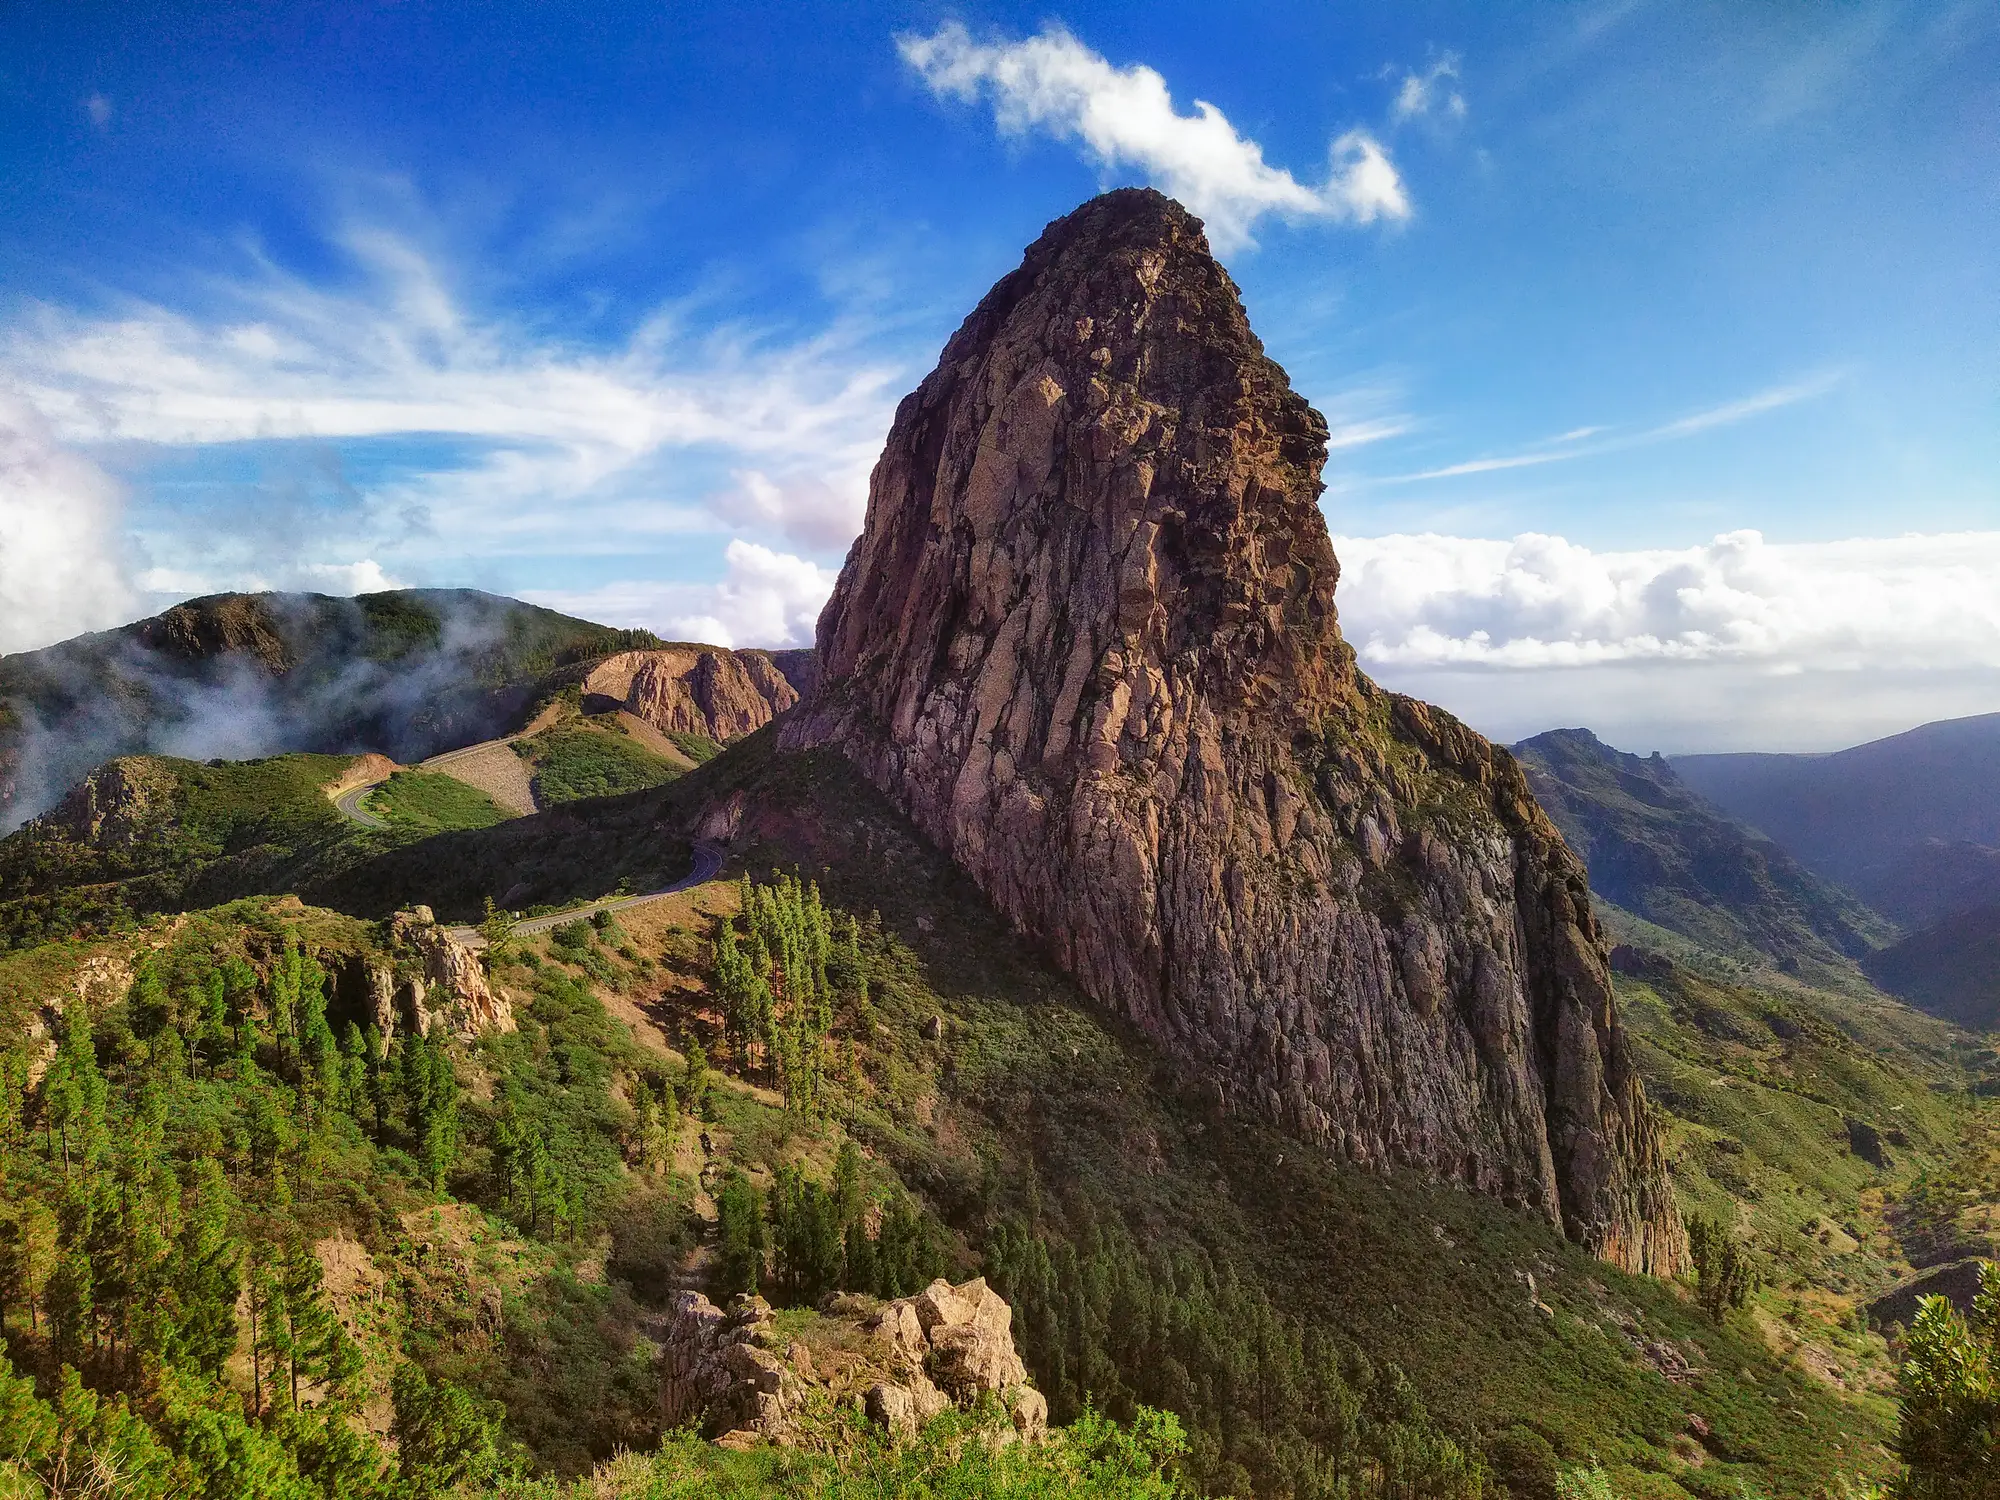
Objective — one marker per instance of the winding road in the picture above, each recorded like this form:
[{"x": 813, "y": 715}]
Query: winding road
[
  {"x": 707, "y": 865},
  {"x": 349, "y": 804}
]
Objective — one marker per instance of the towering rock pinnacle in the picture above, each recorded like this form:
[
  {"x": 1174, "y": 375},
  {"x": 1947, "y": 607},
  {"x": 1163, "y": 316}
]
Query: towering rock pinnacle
[{"x": 1087, "y": 642}]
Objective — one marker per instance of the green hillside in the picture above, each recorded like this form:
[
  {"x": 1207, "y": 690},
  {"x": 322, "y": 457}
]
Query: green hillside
[
  {"x": 1661, "y": 851},
  {"x": 407, "y": 673}
]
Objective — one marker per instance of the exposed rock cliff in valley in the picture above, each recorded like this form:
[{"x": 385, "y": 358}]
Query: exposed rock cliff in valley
[
  {"x": 1087, "y": 642},
  {"x": 705, "y": 690}
]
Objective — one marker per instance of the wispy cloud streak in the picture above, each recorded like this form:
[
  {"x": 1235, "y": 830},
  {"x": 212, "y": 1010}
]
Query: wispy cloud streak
[{"x": 1571, "y": 445}]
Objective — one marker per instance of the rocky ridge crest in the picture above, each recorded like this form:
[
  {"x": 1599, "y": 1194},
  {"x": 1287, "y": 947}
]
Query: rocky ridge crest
[
  {"x": 705, "y": 690},
  {"x": 1087, "y": 642}
]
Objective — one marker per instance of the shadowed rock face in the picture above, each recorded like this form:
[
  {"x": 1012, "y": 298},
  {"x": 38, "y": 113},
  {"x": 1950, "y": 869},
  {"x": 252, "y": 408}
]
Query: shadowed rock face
[{"x": 1087, "y": 642}]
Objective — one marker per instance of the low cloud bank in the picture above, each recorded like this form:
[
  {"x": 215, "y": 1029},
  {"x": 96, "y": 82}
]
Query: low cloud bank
[
  {"x": 764, "y": 598},
  {"x": 63, "y": 553},
  {"x": 1737, "y": 643}
]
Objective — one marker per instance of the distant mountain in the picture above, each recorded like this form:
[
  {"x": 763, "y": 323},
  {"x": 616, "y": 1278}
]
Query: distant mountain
[
  {"x": 1659, "y": 849},
  {"x": 1951, "y": 969},
  {"x": 408, "y": 673},
  {"x": 1911, "y": 824}
]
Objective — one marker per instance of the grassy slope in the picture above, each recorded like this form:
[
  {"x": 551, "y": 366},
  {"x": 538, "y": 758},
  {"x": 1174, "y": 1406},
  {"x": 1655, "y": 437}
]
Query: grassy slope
[
  {"x": 583, "y": 758},
  {"x": 409, "y": 673},
  {"x": 208, "y": 832},
  {"x": 426, "y": 802},
  {"x": 1029, "y": 1086}
]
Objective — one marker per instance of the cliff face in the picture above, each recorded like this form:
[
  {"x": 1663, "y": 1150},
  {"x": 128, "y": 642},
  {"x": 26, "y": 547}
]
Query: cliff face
[
  {"x": 1087, "y": 641},
  {"x": 705, "y": 690}
]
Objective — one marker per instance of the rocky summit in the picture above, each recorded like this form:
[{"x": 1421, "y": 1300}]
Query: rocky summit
[{"x": 1087, "y": 642}]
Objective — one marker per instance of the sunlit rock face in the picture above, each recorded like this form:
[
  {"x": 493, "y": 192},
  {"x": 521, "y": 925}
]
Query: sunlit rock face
[{"x": 1087, "y": 641}]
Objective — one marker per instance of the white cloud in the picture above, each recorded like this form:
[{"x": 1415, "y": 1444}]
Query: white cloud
[
  {"x": 1537, "y": 601},
  {"x": 1563, "y": 448},
  {"x": 1736, "y": 642},
  {"x": 99, "y": 109},
  {"x": 567, "y": 447},
  {"x": 364, "y": 577},
  {"x": 1436, "y": 88},
  {"x": 1125, "y": 118},
  {"x": 764, "y": 598},
  {"x": 62, "y": 559},
  {"x": 821, "y": 512}
]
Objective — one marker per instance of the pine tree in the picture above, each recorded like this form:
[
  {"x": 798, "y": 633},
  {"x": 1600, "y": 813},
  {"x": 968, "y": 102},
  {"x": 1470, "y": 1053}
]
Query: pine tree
[
  {"x": 739, "y": 1262},
  {"x": 206, "y": 1277},
  {"x": 445, "y": 1436},
  {"x": 73, "y": 1094}
]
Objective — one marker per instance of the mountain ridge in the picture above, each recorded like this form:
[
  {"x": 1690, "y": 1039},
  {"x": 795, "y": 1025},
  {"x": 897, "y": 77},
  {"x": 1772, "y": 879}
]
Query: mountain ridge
[
  {"x": 1659, "y": 849},
  {"x": 1910, "y": 823}
]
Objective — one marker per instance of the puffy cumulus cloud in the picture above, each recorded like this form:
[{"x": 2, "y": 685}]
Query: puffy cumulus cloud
[
  {"x": 1434, "y": 89},
  {"x": 363, "y": 577},
  {"x": 1736, "y": 643},
  {"x": 1125, "y": 118},
  {"x": 764, "y": 598},
  {"x": 1541, "y": 601},
  {"x": 63, "y": 566},
  {"x": 819, "y": 512}
]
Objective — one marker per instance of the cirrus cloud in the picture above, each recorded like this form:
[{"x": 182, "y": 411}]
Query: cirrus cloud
[{"x": 1126, "y": 118}]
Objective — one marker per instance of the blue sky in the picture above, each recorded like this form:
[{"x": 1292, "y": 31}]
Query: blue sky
[{"x": 609, "y": 306}]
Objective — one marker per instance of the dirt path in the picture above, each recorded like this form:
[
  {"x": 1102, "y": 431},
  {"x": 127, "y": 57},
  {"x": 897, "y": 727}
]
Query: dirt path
[{"x": 650, "y": 736}]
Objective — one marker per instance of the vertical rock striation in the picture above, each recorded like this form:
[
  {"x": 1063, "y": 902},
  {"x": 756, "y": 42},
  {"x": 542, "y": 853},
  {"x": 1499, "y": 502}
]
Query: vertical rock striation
[{"x": 1087, "y": 641}]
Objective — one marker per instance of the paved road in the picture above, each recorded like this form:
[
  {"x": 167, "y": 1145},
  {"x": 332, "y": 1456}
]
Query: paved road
[
  {"x": 349, "y": 804},
  {"x": 707, "y": 864}
]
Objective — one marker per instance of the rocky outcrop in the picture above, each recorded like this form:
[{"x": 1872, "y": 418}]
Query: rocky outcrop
[
  {"x": 449, "y": 983},
  {"x": 720, "y": 695},
  {"x": 722, "y": 1372},
  {"x": 114, "y": 807},
  {"x": 732, "y": 1375},
  {"x": 1087, "y": 642},
  {"x": 951, "y": 1345}
]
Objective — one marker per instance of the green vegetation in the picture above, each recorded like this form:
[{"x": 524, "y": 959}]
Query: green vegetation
[
  {"x": 1950, "y": 1388},
  {"x": 424, "y": 802},
  {"x": 1156, "y": 1256},
  {"x": 698, "y": 748},
  {"x": 777, "y": 997},
  {"x": 230, "y": 1128},
  {"x": 952, "y": 1459},
  {"x": 184, "y": 833},
  {"x": 187, "y": 835},
  {"x": 590, "y": 758},
  {"x": 411, "y": 672},
  {"x": 876, "y": 1084}
]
